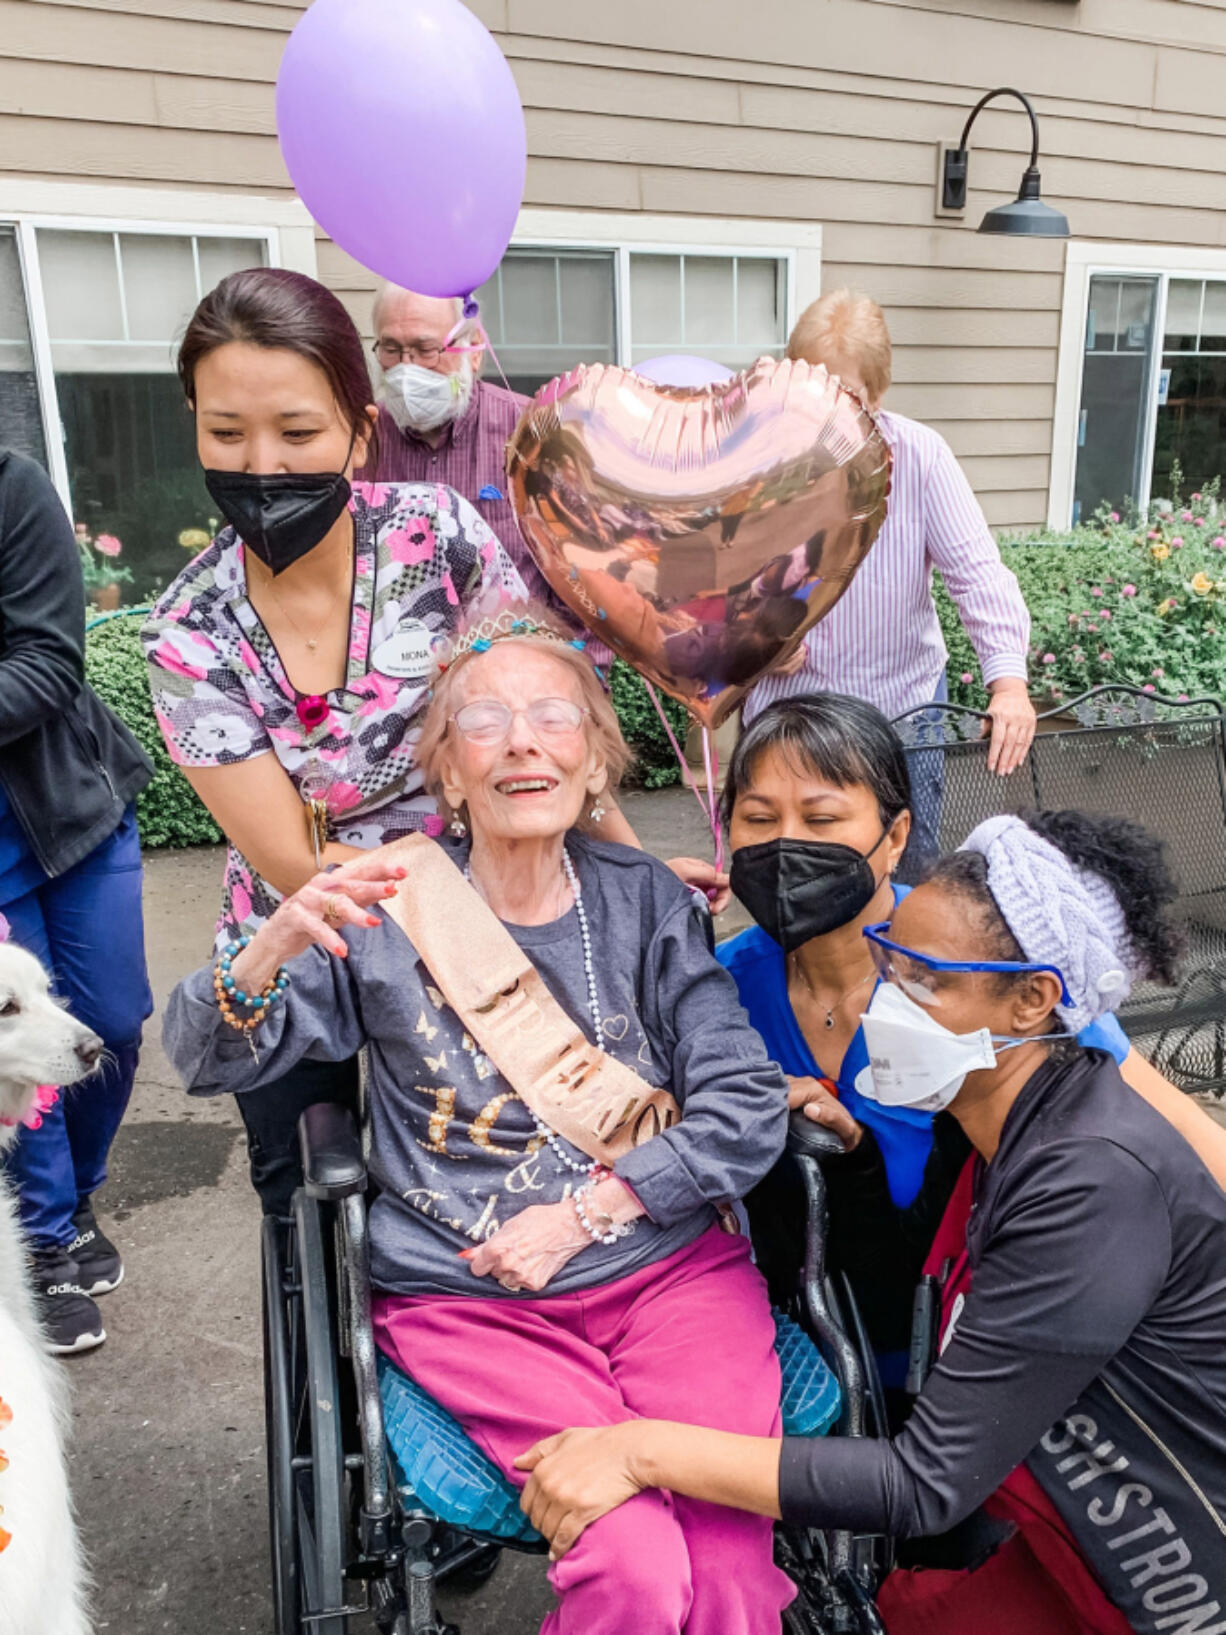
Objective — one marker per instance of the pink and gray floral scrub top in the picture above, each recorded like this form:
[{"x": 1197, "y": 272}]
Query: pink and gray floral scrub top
[{"x": 425, "y": 564}]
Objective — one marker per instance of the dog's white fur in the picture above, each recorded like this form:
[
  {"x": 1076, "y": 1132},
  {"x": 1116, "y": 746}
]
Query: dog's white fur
[{"x": 42, "y": 1577}]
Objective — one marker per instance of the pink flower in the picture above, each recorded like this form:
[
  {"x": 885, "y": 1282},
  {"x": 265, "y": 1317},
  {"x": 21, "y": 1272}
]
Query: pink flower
[
  {"x": 1115, "y": 516},
  {"x": 341, "y": 796},
  {"x": 1198, "y": 496},
  {"x": 1128, "y": 590},
  {"x": 312, "y": 711},
  {"x": 1095, "y": 590},
  {"x": 1157, "y": 674},
  {"x": 240, "y": 902},
  {"x": 1154, "y": 534},
  {"x": 966, "y": 678},
  {"x": 108, "y": 545},
  {"x": 1219, "y": 544},
  {"x": 414, "y": 542},
  {"x": 1049, "y": 658},
  {"x": 1105, "y": 656},
  {"x": 1074, "y": 618},
  {"x": 1177, "y": 543},
  {"x": 167, "y": 656},
  {"x": 1200, "y": 522},
  {"x": 1149, "y": 687},
  {"x": 1185, "y": 516}
]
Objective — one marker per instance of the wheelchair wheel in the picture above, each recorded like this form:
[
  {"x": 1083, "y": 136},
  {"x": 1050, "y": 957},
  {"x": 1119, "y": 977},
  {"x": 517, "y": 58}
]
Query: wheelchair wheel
[{"x": 307, "y": 1488}]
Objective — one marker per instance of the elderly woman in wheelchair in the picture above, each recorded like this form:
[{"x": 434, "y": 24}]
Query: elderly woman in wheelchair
[{"x": 565, "y": 1098}]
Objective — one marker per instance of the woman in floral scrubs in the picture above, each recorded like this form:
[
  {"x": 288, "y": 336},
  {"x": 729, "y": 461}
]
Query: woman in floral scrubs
[{"x": 289, "y": 668}]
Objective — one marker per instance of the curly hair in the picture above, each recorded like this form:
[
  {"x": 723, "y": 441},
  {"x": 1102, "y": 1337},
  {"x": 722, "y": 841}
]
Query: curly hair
[{"x": 1130, "y": 859}]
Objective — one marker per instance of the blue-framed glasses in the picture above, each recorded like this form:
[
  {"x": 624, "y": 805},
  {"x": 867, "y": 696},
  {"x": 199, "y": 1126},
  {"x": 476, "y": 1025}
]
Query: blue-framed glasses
[{"x": 917, "y": 974}]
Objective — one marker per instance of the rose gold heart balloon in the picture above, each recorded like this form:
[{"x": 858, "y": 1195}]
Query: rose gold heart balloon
[{"x": 700, "y": 532}]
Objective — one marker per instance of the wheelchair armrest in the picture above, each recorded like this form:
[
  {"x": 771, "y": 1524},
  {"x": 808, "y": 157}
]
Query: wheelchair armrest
[
  {"x": 809, "y": 1140},
  {"x": 332, "y": 1162}
]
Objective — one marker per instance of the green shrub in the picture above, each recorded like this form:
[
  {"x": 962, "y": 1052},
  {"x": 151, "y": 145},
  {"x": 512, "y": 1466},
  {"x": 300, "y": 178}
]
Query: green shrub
[
  {"x": 1135, "y": 600},
  {"x": 655, "y": 763},
  {"x": 168, "y": 810}
]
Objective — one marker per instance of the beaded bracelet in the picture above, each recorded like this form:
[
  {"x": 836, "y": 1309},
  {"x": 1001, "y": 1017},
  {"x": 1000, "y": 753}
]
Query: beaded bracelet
[
  {"x": 616, "y": 1230},
  {"x": 230, "y": 994}
]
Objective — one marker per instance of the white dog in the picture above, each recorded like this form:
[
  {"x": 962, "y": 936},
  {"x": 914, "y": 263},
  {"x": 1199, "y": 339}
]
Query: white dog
[{"x": 41, "y": 1573}]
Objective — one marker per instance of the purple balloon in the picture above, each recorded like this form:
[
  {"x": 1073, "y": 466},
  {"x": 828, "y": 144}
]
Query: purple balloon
[
  {"x": 682, "y": 369},
  {"x": 402, "y": 131}
]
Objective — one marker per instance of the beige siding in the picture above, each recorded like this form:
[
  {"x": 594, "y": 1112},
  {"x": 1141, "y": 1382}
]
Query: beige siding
[{"x": 784, "y": 109}]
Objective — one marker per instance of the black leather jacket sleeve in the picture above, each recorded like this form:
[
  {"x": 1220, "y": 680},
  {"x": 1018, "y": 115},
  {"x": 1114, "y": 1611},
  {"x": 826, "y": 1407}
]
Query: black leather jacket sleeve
[{"x": 42, "y": 603}]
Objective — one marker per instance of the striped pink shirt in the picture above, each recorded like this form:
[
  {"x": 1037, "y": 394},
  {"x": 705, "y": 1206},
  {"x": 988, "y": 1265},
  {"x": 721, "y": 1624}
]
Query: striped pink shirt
[{"x": 882, "y": 641}]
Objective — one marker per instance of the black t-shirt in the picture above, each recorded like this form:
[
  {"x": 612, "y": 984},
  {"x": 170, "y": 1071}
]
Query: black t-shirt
[{"x": 1098, "y": 1304}]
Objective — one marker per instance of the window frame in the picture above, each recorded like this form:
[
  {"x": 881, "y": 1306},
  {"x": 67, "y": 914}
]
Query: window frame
[
  {"x": 1084, "y": 261},
  {"x": 284, "y": 225},
  {"x": 797, "y": 244}
]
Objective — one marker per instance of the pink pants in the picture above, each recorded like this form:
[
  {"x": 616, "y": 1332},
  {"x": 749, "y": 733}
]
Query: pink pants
[{"x": 690, "y": 1338}]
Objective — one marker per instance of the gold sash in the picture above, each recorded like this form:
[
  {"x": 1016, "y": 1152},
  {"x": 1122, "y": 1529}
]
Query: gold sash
[{"x": 583, "y": 1094}]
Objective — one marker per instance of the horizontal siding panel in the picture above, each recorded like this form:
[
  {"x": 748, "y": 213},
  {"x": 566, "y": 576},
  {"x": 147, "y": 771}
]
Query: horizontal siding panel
[
  {"x": 727, "y": 148},
  {"x": 567, "y": 183},
  {"x": 845, "y": 35},
  {"x": 960, "y": 326},
  {"x": 1190, "y": 20},
  {"x": 238, "y": 13},
  {"x": 794, "y": 198},
  {"x": 56, "y": 33},
  {"x": 994, "y": 437},
  {"x": 952, "y": 365},
  {"x": 636, "y": 95},
  {"x": 79, "y": 148},
  {"x": 991, "y": 402},
  {"x": 52, "y": 90},
  {"x": 995, "y": 473},
  {"x": 949, "y": 287},
  {"x": 1015, "y": 511},
  {"x": 938, "y": 245}
]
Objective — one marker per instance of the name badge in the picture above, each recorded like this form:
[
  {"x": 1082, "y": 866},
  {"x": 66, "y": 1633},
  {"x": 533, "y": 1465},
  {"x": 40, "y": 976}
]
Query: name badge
[{"x": 410, "y": 653}]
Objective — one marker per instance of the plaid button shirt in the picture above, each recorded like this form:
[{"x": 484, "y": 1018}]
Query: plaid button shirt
[{"x": 470, "y": 457}]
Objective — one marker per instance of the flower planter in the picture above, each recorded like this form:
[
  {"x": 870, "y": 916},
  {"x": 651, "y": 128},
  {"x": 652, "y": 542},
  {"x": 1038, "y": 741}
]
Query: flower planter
[{"x": 105, "y": 597}]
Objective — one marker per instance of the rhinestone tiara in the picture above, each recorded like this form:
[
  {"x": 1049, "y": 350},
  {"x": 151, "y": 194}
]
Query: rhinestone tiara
[{"x": 479, "y": 638}]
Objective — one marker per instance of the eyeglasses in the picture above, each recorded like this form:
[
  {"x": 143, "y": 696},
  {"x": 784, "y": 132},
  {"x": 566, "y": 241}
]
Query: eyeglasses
[
  {"x": 390, "y": 353},
  {"x": 918, "y": 975},
  {"x": 487, "y": 721}
]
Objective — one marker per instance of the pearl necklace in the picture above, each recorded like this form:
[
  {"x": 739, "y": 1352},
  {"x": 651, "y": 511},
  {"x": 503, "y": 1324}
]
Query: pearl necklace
[{"x": 542, "y": 1129}]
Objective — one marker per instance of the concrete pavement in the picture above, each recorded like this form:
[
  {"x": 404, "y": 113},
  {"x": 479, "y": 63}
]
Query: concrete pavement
[{"x": 167, "y": 1458}]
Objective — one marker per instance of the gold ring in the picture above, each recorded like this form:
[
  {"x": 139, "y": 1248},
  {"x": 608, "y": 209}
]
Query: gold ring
[{"x": 332, "y": 909}]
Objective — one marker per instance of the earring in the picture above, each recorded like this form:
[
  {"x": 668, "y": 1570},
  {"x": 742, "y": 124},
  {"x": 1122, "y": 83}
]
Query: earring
[
  {"x": 457, "y": 828},
  {"x": 598, "y": 811}
]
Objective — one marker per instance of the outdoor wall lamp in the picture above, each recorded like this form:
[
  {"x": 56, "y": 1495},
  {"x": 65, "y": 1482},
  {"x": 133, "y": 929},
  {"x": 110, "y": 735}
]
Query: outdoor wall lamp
[{"x": 1027, "y": 215}]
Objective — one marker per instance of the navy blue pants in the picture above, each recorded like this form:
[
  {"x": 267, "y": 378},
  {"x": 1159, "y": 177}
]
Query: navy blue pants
[{"x": 87, "y": 929}]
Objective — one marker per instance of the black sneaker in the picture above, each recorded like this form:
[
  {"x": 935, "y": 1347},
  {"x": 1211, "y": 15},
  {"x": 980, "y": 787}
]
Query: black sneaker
[
  {"x": 98, "y": 1261},
  {"x": 71, "y": 1321}
]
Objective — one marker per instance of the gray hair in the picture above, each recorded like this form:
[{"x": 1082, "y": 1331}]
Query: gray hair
[{"x": 387, "y": 291}]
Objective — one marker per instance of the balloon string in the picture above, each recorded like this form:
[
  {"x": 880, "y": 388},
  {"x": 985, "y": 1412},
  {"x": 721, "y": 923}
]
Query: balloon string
[
  {"x": 470, "y": 323},
  {"x": 710, "y": 758},
  {"x": 707, "y": 801}
]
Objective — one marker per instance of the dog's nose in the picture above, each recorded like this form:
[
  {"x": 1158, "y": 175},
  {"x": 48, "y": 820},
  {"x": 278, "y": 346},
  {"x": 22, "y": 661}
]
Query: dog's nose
[{"x": 88, "y": 1051}]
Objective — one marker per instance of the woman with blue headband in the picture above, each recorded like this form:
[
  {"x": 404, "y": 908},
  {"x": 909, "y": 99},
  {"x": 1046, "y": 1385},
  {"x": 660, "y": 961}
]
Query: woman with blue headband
[{"x": 1081, "y": 1373}]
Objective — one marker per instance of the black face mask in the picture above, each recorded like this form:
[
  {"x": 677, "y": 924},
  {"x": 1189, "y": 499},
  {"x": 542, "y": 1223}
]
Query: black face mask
[
  {"x": 283, "y": 516},
  {"x": 800, "y": 889}
]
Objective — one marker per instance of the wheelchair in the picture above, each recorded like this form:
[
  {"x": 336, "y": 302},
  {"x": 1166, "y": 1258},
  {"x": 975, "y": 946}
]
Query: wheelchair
[{"x": 376, "y": 1496}]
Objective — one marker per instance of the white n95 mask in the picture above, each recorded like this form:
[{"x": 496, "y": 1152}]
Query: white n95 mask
[
  {"x": 422, "y": 400},
  {"x": 912, "y": 1060}
]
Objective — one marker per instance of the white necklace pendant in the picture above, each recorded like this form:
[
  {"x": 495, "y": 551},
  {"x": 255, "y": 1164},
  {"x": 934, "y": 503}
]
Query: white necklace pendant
[{"x": 312, "y": 644}]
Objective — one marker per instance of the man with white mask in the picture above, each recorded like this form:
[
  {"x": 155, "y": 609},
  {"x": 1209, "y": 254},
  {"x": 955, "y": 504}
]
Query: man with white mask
[{"x": 440, "y": 422}]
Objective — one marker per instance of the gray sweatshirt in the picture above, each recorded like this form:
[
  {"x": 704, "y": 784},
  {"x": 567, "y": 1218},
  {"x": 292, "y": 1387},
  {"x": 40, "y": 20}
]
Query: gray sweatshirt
[{"x": 668, "y": 1009}]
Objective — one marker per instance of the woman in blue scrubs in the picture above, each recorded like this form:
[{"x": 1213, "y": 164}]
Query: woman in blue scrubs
[{"x": 817, "y": 805}]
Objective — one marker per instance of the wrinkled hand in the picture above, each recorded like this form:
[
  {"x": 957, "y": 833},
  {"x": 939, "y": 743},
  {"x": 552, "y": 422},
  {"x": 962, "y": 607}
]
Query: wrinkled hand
[
  {"x": 705, "y": 877},
  {"x": 793, "y": 664},
  {"x": 577, "y": 1477},
  {"x": 315, "y": 912},
  {"x": 1012, "y": 725},
  {"x": 531, "y": 1248},
  {"x": 824, "y": 1109}
]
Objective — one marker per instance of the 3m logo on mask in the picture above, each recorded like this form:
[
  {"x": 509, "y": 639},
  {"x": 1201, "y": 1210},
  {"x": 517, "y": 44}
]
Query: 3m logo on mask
[{"x": 1164, "y": 1572}]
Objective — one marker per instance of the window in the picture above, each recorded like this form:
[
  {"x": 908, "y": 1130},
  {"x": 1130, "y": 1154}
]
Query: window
[
  {"x": 587, "y": 288},
  {"x": 91, "y": 310},
  {"x": 1143, "y": 385}
]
